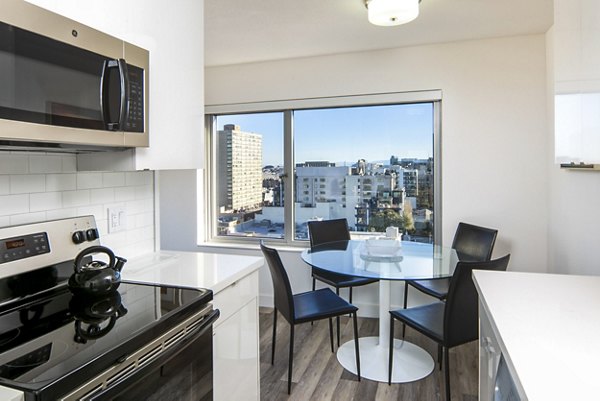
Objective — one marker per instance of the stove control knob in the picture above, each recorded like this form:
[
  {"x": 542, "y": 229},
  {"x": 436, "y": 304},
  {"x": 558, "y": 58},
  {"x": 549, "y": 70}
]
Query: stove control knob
[
  {"x": 92, "y": 234},
  {"x": 78, "y": 237}
]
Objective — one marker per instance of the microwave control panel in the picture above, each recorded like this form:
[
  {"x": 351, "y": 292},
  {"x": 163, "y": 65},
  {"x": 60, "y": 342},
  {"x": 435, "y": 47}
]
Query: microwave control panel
[{"x": 135, "y": 117}]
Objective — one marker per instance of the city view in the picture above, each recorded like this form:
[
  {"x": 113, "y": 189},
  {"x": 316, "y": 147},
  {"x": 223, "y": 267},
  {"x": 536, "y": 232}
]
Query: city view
[{"x": 380, "y": 187}]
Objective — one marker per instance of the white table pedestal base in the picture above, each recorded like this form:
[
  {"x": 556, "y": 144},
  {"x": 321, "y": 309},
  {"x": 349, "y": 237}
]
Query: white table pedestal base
[{"x": 411, "y": 362}]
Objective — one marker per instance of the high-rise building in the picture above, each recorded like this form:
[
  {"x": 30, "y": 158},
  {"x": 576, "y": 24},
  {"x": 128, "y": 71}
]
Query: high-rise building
[{"x": 240, "y": 159}]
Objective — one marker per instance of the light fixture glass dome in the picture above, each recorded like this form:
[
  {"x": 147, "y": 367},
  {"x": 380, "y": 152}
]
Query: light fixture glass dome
[{"x": 392, "y": 12}]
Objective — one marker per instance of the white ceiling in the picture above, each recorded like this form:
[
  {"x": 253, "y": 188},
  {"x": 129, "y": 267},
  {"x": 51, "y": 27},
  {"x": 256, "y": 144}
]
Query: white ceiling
[{"x": 242, "y": 31}]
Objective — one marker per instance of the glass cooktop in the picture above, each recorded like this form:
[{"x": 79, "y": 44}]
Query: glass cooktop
[{"x": 48, "y": 335}]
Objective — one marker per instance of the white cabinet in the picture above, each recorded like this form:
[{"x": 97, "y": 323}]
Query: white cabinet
[
  {"x": 173, "y": 33},
  {"x": 577, "y": 81},
  {"x": 236, "y": 369},
  {"x": 489, "y": 356},
  {"x": 497, "y": 380}
]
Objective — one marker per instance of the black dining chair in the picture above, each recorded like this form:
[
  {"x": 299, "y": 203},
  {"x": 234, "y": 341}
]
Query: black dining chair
[
  {"x": 450, "y": 323},
  {"x": 326, "y": 231},
  {"x": 472, "y": 243},
  {"x": 304, "y": 307}
]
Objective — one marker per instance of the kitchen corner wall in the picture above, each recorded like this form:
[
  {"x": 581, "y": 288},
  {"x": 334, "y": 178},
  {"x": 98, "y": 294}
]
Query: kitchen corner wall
[{"x": 38, "y": 186}]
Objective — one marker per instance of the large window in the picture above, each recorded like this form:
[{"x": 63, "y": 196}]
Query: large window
[{"x": 375, "y": 164}]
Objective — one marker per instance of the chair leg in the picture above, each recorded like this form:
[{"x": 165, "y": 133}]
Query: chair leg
[
  {"x": 356, "y": 350},
  {"x": 391, "y": 352},
  {"x": 405, "y": 305},
  {"x": 447, "y": 373},
  {"x": 331, "y": 333},
  {"x": 274, "y": 334},
  {"x": 291, "y": 358},
  {"x": 337, "y": 320},
  {"x": 314, "y": 286},
  {"x": 440, "y": 355}
]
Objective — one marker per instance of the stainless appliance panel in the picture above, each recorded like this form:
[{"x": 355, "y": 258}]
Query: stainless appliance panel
[{"x": 52, "y": 70}]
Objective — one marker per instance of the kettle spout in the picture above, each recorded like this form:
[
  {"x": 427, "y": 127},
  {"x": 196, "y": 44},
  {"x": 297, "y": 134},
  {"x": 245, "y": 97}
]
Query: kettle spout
[{"x": 120, "y": 263}]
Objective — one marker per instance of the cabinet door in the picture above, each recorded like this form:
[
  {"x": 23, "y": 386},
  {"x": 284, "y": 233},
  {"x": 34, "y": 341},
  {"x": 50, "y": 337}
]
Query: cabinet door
[
  {"x": 489, "y": 355},
  {"x": 235, "y": 356}
]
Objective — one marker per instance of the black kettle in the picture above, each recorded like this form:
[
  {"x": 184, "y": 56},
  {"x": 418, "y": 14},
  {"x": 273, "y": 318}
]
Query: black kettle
[{"x": 96, "y": 278}]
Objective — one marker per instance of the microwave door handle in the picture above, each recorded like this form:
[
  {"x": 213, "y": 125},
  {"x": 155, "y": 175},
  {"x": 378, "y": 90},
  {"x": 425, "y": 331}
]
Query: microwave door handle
[
  {"x": 103, "y": 93},
  {"x": 124, "y": 77}
]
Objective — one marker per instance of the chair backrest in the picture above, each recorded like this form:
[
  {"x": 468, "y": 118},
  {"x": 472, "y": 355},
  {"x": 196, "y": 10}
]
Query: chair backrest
[
  {"x": 324, "y": 231},
  {"x": 461, "y": 311},
  {"x": 284, "y": 299},
  {"x": 474, "y": 243}
]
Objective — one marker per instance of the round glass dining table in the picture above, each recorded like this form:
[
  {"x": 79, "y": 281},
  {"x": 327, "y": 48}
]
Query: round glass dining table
[{"x": 385, "y": 260}]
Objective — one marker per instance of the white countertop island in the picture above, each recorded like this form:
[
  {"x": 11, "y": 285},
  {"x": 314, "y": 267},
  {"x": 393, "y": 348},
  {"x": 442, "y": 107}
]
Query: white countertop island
[
  {"x": 548, "y": 327},
  {"x": 190, "y": 269}
]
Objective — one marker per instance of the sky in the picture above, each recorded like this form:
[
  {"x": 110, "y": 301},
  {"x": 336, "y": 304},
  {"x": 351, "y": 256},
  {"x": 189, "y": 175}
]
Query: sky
[{"x": 344, "y": 135}]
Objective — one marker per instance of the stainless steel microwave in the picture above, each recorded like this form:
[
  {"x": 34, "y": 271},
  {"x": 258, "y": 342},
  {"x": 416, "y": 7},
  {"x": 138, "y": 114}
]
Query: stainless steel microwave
[{"x": 65, "y": 83}]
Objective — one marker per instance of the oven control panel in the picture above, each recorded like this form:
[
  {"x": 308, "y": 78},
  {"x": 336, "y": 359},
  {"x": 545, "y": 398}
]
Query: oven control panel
[{"x": 23, "y": 247}]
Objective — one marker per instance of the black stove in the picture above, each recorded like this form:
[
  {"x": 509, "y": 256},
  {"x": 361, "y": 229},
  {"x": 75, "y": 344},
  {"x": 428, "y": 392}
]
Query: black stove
[{"x": 56, "y": 345}]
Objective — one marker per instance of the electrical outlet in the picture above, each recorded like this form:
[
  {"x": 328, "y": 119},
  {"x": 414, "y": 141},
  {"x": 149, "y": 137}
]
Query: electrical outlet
[{"x": 116, "y": 219}]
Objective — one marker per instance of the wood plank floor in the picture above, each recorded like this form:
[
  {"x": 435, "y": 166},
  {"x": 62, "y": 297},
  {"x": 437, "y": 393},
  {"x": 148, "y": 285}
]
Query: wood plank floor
[{"x": 317, "y": 375}]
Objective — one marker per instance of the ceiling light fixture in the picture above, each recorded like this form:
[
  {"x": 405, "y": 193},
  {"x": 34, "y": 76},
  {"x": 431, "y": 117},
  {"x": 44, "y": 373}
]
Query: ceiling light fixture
[{"x": 392, "y": 12}]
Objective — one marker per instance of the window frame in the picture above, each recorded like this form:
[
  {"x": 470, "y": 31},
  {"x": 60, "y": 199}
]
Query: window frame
[{"x": 287, "y": 107}]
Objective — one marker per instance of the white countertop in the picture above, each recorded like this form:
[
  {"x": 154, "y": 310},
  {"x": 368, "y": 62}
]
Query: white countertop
[
  {"x": 550, "y": 326},
  {"x": 190, "y": 269}
]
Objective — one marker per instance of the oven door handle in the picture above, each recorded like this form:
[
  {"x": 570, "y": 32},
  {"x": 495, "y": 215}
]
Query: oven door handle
[{"x": 138, "y": 374}]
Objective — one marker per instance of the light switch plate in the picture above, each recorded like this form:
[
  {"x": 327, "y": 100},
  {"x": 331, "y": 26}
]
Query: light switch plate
[{"x": 117, "y": 219}]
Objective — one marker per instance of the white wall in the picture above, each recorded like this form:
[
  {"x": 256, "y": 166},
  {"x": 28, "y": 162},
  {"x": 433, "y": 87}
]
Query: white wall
[
  {"x": 494, "y": 126},
  {"x": 573, "y": 234}
]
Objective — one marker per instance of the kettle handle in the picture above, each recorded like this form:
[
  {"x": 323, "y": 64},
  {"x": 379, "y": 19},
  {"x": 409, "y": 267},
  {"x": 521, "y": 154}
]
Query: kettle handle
[{"x": 94, "y": 249}]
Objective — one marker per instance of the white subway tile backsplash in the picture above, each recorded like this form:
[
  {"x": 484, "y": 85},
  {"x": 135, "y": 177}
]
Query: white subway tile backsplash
[
  {"x": 46, "y": 186},
  {"x": 113, "y": 179},
  {"x": 45, "y": 163},
  {"x": 69, "y": 163},
  {"x": 61, "y": 182},
  {"x": 97, "y": 211},
  {"x": 27, "y": 218},
  {"x": 144, "y": 219},
  {"x": 45, "y": 201},
  {"x": 104, "y": 195},
  {"x": 135, "y": 207},
  {"x": 76, "y": 198},
  {"x": 89, "y": 180},
  {"x": 61, "y": 214},
  {"x": 124, "y": 194},
  {"x": 102, "y": 226},
  {"x": 4, "y": 184},
  {"x": 139, "y": 178},
  {"x": 14, "y": 204},
  {"x": 22, "y": 184},
  {"x": 136, "y": 249},
  {"x": 11, "y": 163},
  {"x": 143, "y": 192},
  {"x": 114, "y": 240},
  {"x": 148, "y": 204}
]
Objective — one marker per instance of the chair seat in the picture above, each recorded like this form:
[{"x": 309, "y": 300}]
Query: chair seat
[
  {"x": 320, "y": 304},
  {"x": 427, "y": 319},
  {"x": 340, "y": 280},
  {"x": 436, "y": 288}
]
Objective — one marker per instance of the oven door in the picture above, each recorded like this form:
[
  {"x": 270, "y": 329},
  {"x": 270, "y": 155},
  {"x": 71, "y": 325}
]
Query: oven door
[{"x": 184, "y": 372}]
